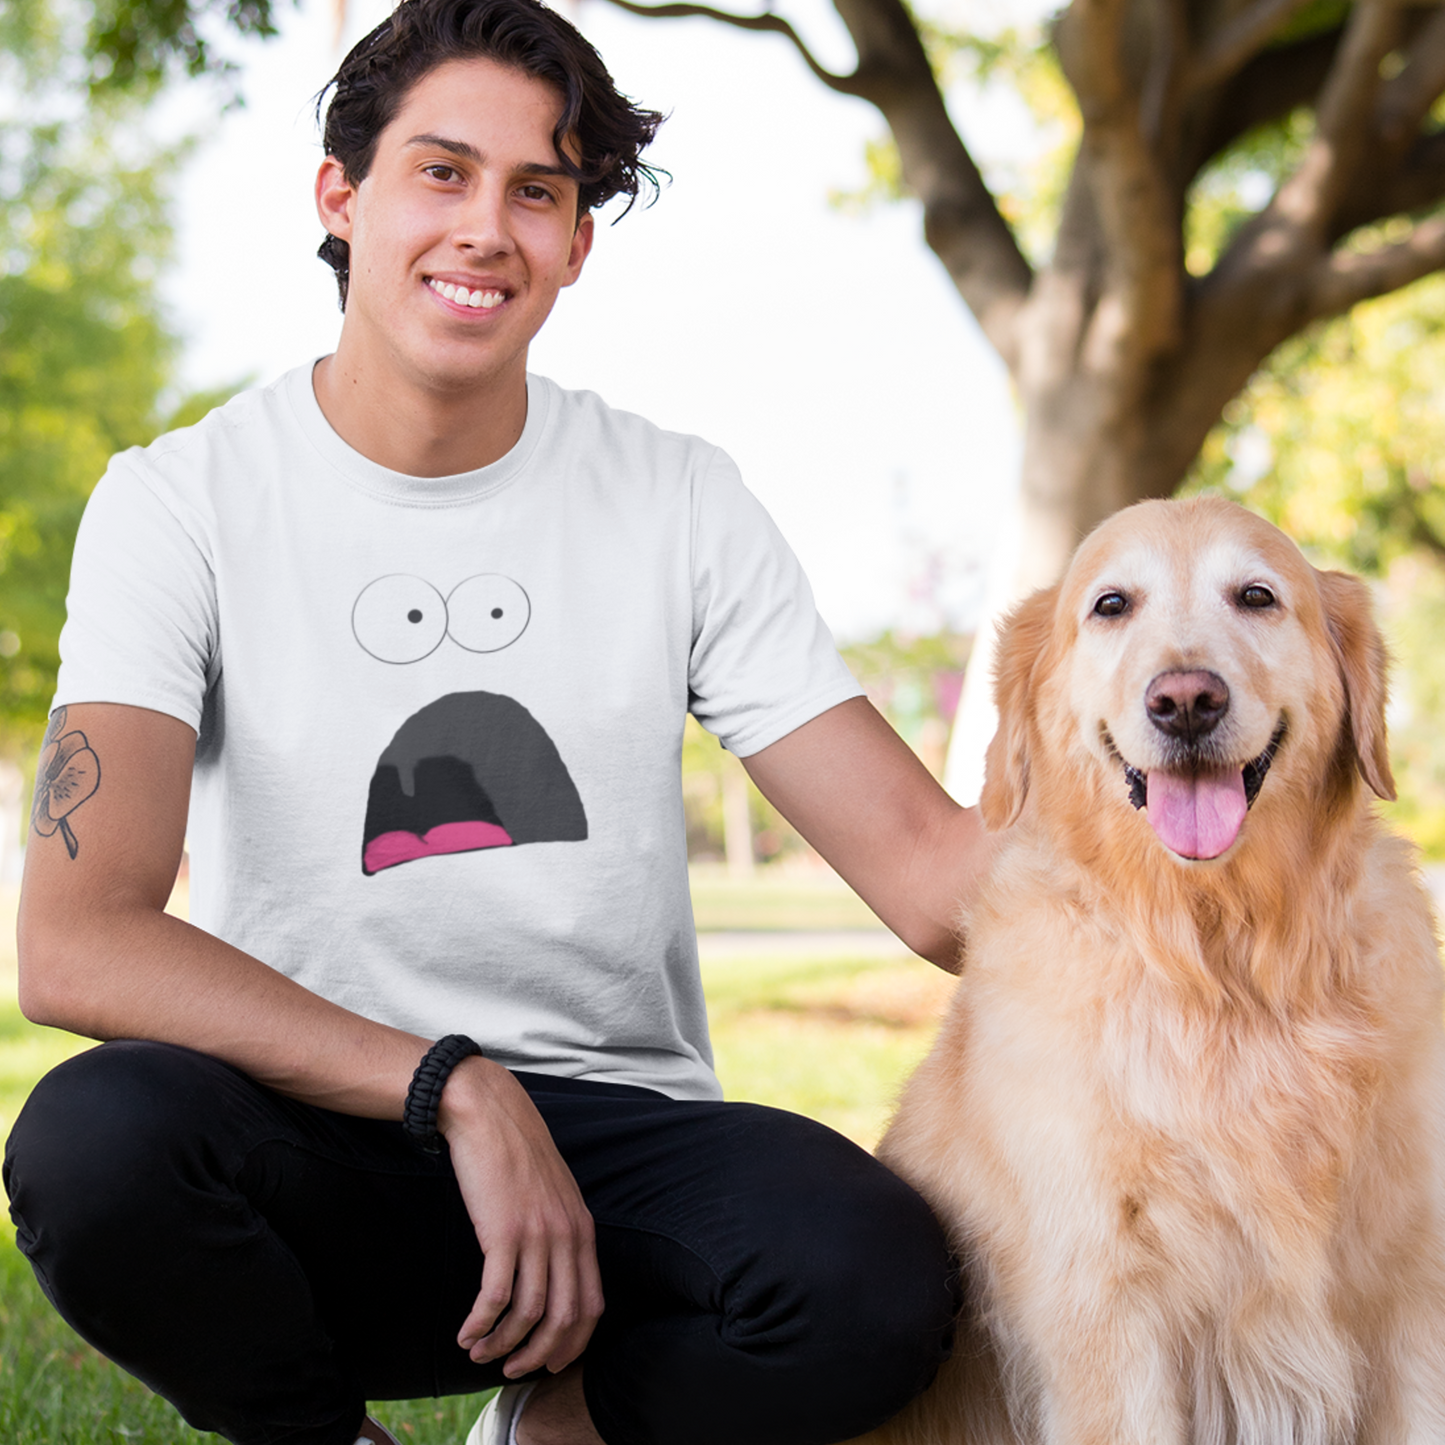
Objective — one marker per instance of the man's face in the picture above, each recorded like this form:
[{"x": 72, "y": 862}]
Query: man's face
[{"x": 462, "y": 232}]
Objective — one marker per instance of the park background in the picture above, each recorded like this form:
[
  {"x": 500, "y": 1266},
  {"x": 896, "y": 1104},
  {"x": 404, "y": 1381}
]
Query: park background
[{"x": 157, "y": 252}]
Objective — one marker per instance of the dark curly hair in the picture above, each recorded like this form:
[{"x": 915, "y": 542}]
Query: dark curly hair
[{"x": 607, "y": 130}]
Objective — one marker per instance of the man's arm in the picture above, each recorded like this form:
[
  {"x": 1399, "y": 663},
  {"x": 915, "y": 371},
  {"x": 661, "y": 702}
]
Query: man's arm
[
  {"x": 100, "y": 956},
  {"x": 855, "y": 790}
]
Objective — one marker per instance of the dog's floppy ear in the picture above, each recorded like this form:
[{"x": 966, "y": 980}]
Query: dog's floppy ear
[
  {"x": 1360, "y": 652},
  {"x": 1024, "y": 634}
]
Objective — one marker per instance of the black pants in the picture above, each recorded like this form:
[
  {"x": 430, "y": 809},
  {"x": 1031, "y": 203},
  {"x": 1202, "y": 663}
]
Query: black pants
[{"x": 269, "y": 1266}]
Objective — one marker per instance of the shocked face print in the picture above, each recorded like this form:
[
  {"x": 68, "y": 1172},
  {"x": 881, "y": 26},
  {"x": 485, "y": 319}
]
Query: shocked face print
[{"x": 470, "y": 770}]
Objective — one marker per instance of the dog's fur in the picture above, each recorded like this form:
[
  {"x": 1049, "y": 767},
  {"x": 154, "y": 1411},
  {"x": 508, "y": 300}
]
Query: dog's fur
[{"x": 1186, "y": 1118}]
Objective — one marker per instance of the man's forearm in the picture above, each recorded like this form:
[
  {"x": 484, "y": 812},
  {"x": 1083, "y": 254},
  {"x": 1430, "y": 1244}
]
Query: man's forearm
[
  {"x": 127, "y": 970},
  {"x": 855, "y": 790}
]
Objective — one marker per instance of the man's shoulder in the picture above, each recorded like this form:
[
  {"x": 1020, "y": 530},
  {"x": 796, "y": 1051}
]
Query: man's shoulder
[
  {"x": 252, "y": 409},
  {"x": 585, "y": 408},
  {"x": 582, "y": 417},
  {"x": 234, "y": 439}
]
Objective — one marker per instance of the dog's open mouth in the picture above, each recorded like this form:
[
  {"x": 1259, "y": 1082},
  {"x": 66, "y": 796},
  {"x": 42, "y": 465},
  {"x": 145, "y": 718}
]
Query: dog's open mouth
[{"x": 1198, "y": 814}]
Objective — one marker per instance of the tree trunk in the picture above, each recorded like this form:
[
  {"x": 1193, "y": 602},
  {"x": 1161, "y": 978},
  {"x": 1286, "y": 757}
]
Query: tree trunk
[{"x": 1122, "y": 358}]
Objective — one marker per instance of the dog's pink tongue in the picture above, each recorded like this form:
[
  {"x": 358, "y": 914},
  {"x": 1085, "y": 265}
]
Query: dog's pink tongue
[{"x": 1196, "y": 817}]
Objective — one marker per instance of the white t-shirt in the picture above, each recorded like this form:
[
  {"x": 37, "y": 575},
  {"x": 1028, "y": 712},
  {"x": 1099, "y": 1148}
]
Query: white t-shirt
[{"x": 440, "y": 719}]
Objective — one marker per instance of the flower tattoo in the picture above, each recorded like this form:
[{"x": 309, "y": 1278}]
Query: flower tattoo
[{"x": 68, "y": 773}]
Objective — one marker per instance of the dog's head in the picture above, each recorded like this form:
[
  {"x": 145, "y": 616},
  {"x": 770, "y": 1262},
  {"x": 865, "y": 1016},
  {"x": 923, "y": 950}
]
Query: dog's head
[{"x": 1189, "y": 665}]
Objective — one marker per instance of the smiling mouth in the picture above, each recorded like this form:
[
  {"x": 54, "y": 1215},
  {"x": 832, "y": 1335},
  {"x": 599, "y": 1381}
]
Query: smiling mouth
[
  {"x": 477, "y": 300},
  {"x": 1198, "y": 815}
]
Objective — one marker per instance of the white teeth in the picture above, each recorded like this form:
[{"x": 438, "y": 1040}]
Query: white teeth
[{"x": 478, "y": 300}]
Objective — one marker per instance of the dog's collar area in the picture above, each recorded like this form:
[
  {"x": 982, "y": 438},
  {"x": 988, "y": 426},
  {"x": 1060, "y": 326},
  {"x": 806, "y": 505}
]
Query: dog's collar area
[{"x": 1254, "y": 771}]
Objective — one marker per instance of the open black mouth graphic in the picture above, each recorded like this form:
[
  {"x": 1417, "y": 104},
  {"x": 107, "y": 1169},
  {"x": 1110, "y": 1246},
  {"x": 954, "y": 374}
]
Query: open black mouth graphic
[
  {"x": 472, "y": 770},
  {"x": 1198, "y": 814}
]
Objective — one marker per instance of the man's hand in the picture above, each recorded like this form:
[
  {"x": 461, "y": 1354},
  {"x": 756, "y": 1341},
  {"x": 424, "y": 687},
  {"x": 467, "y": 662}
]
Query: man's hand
[{"x": 540, "y": 1281}]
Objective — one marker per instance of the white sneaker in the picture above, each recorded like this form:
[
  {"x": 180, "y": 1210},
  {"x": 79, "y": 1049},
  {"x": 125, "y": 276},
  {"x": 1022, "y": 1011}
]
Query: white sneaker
[
  {"x": 374, "y": 1434},
  {"x": 499, "y": 1416}
]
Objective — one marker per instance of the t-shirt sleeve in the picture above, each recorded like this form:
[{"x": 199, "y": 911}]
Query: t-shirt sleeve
[
  {"x": 140, "y": 623},
  {"x": 763, "y": 662}
]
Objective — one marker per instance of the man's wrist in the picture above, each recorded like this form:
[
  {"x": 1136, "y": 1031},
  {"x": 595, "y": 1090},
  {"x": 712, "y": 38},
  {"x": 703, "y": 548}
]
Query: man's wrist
[{"x": 423, "y": 1099}]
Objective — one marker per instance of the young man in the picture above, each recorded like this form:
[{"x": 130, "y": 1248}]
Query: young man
[{"x": 413, "y": 636}]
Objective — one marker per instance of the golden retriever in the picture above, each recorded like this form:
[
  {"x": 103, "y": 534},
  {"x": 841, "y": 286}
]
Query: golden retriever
[{"x": 1186, "y": 1116}]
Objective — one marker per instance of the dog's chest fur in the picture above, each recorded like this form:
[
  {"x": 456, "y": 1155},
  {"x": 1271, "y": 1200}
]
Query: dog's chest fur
[{"x": 1116, "y": 1127}]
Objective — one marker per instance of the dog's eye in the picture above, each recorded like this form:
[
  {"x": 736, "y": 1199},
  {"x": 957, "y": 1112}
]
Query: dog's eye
[
  {"x": 1111, "y": 604},
  {"x": 1256, "y": 596}
]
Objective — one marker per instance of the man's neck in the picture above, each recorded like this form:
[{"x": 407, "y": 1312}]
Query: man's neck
[{"x": 416, "y": 430}]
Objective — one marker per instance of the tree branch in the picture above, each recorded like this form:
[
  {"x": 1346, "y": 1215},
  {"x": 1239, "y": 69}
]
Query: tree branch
[
  {"x": 961, "y": 221},
  {"x": 1239, "y": 41},
  {"x": 1090, "y": 38},
  {"x": 846, "y": 84},
  {"x": 1405, "y": 101},
  {"x": 1268, "y": 88},
  {"x": 1346, "y": 277},
  {"x": 1168, "y": 56},
  {"x": 1139, "y": 312},
  {"x": 1417, "y": 183},
  {"x": 1342, "y": 117}
]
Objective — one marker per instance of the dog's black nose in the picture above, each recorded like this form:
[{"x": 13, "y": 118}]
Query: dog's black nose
[{"x": 1187, "y": 705}]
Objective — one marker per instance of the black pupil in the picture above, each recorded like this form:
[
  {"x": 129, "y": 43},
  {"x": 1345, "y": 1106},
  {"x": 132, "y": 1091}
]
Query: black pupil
[
  {"x": 496, "y": 612},
  {"x": 414, "y": 615}
]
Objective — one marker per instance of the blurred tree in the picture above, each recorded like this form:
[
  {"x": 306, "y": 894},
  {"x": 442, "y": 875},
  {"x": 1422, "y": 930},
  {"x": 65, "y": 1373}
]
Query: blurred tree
[
  {"x": 1340, "y": 439},
  {"x": 85, "y": 354},
  {"x": 1126, "y": 324},
  {"x": 913, "y": 681},
  {"x": 1228, "y": 172},
  {"x": 727, "y": 818},
  {"x": 83, "y": 360}
]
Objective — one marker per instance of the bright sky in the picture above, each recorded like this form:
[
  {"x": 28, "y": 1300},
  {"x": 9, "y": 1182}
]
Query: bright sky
[{"x": 827, "y": 352}]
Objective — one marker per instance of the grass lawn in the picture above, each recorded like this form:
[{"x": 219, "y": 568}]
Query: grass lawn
[{"x": 832, "y": 1037}]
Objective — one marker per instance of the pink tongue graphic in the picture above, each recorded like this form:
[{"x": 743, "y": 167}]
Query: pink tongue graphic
[{"x": 1197, "y": 817}]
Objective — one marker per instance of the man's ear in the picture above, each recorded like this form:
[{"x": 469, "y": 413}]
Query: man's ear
[
  {"x": 581, "y": 246},
  {"x": 335, "y": 198}
]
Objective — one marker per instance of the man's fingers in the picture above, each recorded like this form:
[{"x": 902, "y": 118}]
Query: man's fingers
[
  {"x": 498, "y": 1270},
  {"x": 590, "y": 1304},
  {"x": 572, "y": 1310},
  {"x": 529, "y": 1306}
]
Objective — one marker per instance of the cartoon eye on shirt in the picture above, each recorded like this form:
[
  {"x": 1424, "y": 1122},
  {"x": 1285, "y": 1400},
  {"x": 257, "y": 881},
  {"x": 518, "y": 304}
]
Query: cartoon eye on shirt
[
  {"x": 471, "y": 770},
  {"x": 401, "y": 618}
]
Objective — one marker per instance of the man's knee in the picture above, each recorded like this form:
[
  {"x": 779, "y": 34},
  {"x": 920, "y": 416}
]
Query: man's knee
[
  {"x": 860, "y": 1273},
  {"x": 101, "y": 1135}
]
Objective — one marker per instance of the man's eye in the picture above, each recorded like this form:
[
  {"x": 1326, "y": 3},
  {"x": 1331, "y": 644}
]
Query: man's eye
[
  {"x": 536, "y": 193},
  {"x": 442, "y": 173}
]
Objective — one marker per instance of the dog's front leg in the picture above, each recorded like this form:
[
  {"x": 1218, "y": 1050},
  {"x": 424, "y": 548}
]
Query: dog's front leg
[
  {"x": 1114, "y": 1381},
  {"x": 1404, "y": 1393},
  {"x": 965, "y": 1405}
]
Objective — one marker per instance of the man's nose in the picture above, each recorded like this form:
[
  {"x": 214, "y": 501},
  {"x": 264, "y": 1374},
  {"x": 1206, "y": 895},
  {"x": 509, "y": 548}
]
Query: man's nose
[{"x": 483, "y": 224}]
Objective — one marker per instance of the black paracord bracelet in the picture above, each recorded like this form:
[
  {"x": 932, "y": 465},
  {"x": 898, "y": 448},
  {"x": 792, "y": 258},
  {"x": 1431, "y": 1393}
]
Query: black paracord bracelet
[{"x": 424, "y": 1098}]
